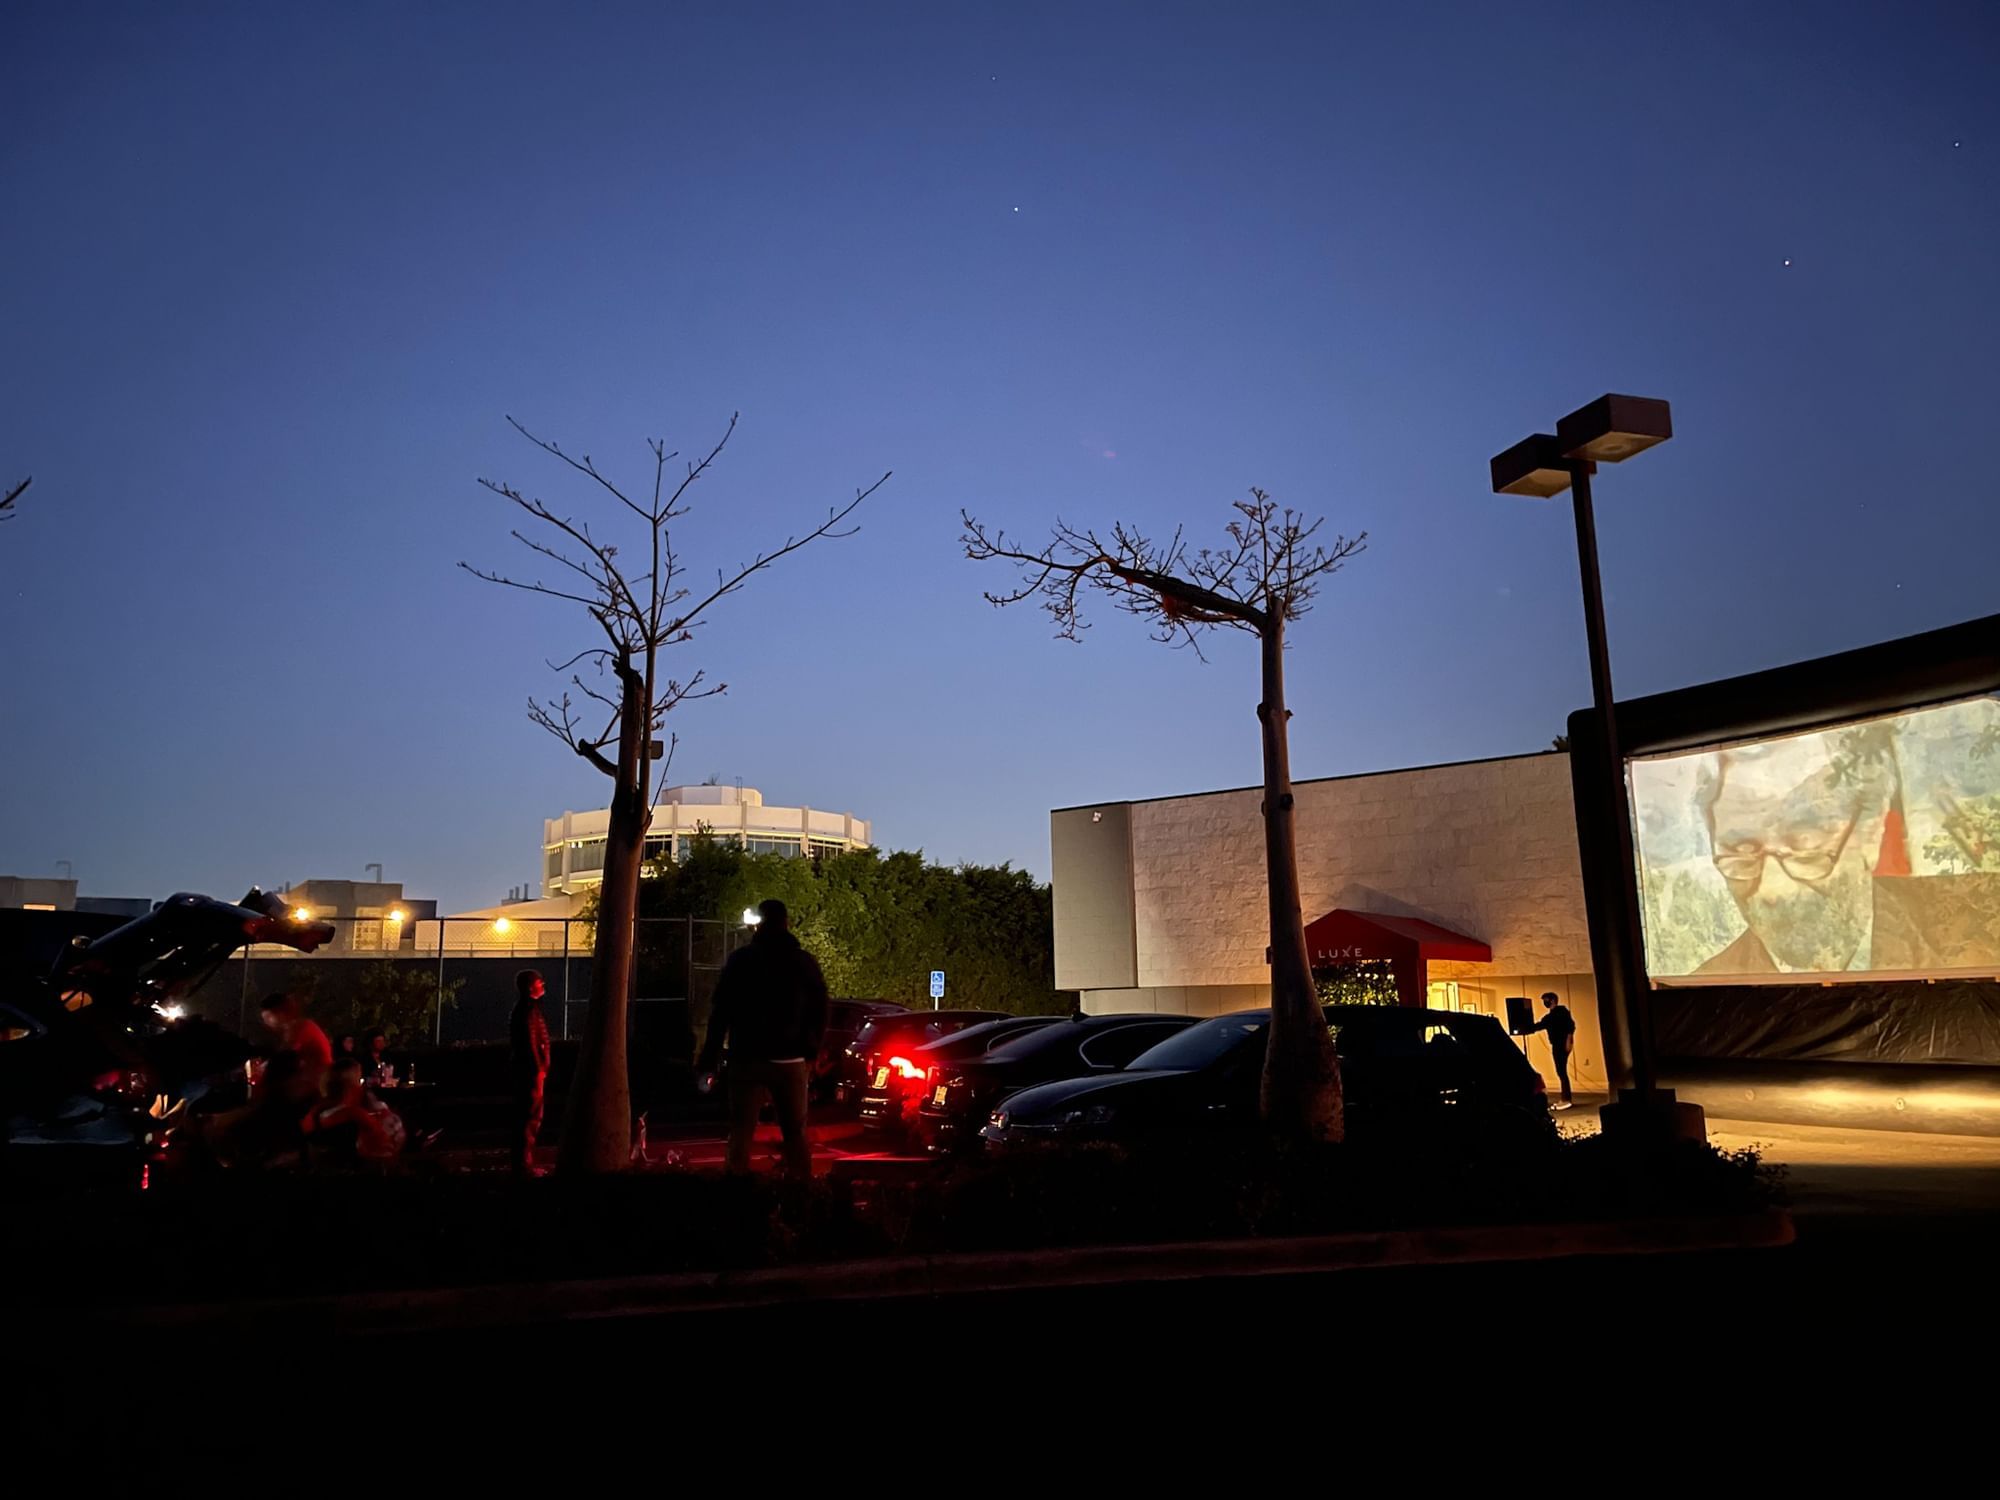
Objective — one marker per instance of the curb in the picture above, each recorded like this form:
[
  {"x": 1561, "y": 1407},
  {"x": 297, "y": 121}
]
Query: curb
[{"x": 461, "y": 1308}]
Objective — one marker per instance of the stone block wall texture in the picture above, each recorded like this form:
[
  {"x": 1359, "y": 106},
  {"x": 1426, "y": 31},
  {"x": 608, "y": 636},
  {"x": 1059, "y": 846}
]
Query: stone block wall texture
[{"x": 1487, "y": 848}]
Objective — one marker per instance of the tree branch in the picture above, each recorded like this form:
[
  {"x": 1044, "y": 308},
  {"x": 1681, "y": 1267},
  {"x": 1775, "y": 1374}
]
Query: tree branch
[
  {"x": 7, "y": 511},
  {"x": 764, "y": 560},
  {"x": 1266, "y": 572}
]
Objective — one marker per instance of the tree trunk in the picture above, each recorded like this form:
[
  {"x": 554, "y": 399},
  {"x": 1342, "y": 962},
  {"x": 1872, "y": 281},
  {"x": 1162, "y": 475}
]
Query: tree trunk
[
  {"x": 1301, "y": 1093},
  {"x": 597, "y": 1125}
]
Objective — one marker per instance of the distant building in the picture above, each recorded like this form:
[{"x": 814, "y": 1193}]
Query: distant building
[
  {"x": 36, "y": 893},
  {"x": 368, "y": 916},
  {"x": 573, "y": 845}
]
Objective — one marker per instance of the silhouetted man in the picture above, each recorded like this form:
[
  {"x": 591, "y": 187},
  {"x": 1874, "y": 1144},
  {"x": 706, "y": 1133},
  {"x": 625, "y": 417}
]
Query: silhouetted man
[
  {"x": 1561, "y": 1027},
  {"x": 528, "y": 1066},
  {"x": 770, "y": 1008}
]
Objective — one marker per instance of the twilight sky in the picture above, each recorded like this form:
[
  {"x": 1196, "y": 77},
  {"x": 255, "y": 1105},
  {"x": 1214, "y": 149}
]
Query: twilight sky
[{"x": 273, "y": 276}]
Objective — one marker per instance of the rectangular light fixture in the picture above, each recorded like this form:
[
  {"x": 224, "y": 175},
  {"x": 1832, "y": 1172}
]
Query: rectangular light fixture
[
  {"x": 1533, "y": 466},
  {"x": 1613, "y": 428}
]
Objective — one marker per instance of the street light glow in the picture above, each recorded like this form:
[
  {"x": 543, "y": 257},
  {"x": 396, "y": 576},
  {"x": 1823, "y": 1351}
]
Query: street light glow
[
  {"x": 397, "y": 915},
  {"x": 502, "y": 925},
  {"x": 751, "y": 916},
  {"x": 300, "y": 914}
]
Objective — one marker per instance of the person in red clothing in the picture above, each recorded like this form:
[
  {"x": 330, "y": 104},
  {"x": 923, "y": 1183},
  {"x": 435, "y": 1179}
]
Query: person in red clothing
[
  {"x": 351, "y": 1127},
  {"x": 298, "y": 1033},
  {"x": 528, "y": 1066}
]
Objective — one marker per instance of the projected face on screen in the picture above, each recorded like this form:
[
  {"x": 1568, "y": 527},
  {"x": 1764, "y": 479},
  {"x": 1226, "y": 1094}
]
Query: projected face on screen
[{"x": 1862, "y": 850}]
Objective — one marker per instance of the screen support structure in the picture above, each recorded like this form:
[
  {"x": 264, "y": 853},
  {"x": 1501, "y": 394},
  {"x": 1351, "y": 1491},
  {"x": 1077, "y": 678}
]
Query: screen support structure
[{"x": 1611, "y": 892}]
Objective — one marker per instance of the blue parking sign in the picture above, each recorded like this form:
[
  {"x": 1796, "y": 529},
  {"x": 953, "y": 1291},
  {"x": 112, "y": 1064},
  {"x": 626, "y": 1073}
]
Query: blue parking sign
[{"x": 937, "y": 984}]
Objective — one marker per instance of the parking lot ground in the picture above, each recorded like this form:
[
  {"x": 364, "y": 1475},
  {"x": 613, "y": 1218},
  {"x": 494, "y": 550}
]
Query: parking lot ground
[{"x": 1676, "y": 1361}]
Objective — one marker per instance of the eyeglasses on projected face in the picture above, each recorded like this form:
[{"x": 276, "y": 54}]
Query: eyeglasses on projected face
[{"x": 1808, "y": 855}]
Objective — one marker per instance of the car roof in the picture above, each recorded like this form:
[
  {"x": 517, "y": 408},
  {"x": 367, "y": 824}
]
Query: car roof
[
  {"x": 1026, "y": 1024},
  {"x": 1083, "y": 1026}
]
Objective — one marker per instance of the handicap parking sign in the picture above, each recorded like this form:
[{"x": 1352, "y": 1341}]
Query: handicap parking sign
[{"x": 937, "y": 984}]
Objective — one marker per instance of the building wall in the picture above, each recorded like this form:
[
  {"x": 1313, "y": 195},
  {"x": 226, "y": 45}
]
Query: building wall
[
  {"x": 35, "y": 891},
  {"x": 1486, "y": 848},
  {"x": 573, "y": 845},
  {"x": 1096, "y": 936}
]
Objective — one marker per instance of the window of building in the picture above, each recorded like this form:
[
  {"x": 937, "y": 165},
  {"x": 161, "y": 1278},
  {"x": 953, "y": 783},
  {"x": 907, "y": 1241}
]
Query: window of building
[
  {"x": 758, "y": 845},
  {"x": 819, "y": 847},
  {"x": 586, "y": 856},
  {"x": 554, "y": 867}
]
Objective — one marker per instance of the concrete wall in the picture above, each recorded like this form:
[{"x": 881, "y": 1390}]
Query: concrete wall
[
  {"x": 1096, "y": 940},
  {"x": 1487, "y": 848}
]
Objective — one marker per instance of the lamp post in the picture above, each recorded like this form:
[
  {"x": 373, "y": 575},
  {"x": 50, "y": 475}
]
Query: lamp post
[{"x": 1609, "y": 430}]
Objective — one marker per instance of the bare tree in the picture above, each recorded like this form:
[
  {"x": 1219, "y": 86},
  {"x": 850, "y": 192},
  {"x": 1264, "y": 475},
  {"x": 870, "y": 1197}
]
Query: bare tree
[
  {"x": 1263, "y": 578},
  {"x": 637, "y": 613},
  {"x": 7, "y": 511}
]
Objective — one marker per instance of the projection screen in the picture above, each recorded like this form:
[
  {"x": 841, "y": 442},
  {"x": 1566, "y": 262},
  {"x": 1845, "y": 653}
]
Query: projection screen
[{"x": 1868, "y": 850}]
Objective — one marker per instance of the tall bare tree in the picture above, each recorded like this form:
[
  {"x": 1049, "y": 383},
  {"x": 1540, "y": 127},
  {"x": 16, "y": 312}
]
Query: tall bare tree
[
  {"x": 1261, "y": 580},
  {"x": 638, "y": 614}
]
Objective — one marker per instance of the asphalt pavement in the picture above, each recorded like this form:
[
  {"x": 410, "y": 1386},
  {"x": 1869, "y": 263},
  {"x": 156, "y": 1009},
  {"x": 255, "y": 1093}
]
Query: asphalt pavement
[{"x": 1873, "y": 1327}]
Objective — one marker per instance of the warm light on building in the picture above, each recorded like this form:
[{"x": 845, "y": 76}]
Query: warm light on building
[
  {"x": 398, "y": 915},
  {"x": 502, "y": 926},
  {"x": 573, "y": 845}
]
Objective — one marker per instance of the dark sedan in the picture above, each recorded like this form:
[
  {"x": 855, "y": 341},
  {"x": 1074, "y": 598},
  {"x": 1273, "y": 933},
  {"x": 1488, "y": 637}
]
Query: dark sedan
[
  {"x": 894, "y": 1033},
  {"x": 958, "y": 1101},
  {"x": 1400, "y": 1068},
  {"x": 837, "y": 1072},
  {"x": 899, "y": 1077}
]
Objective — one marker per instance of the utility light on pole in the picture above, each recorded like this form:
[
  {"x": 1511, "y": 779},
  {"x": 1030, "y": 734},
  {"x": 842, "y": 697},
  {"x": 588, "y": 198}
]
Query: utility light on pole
[{"x": 1609, "y": 430}]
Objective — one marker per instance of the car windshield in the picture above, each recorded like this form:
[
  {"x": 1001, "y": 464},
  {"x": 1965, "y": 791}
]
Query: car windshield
[{"x": 1200, "y": 1046}]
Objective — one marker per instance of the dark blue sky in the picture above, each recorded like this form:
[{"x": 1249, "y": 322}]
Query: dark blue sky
[{"x": 273, "y": 275}]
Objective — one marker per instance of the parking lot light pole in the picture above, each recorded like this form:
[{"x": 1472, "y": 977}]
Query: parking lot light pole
[{"x": 1610, "y": 429}]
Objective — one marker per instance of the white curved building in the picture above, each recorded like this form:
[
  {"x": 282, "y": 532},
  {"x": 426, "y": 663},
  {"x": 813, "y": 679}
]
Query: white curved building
[{"x": 573, "y": 845}]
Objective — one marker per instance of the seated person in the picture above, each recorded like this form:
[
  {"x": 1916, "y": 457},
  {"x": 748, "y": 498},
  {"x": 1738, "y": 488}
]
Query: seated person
[
  {"x": 352, "y": 1126},
  {"x": 269, "y": 1130}
]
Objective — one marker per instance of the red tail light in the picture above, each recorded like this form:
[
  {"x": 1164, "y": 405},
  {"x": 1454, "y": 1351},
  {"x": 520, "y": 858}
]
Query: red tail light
[{"x": 903, "y": 1068}]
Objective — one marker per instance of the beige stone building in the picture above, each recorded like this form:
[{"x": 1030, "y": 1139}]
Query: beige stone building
[
  {"x": 1160, "y": 905},
  {"x": 573, "y": 845}
]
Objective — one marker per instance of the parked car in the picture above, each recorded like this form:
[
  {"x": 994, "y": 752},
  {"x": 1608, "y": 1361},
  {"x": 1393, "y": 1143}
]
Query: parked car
[
  {"x": 899, "y": 1031},
  {"x": 99, "y": 1059},
  {"x": 836, "y": 1070},
  {"x": 899, "y": 1076},
  {"x": 1400, "y": 1068},
  {"x": 958, "y": 1100}
]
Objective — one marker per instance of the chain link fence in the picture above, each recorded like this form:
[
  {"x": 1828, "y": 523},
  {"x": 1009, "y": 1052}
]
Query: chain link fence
[{"x": 444, "y": 981}]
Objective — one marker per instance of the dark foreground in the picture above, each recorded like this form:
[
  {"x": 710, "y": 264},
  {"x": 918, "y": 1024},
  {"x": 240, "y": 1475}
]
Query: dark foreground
[{"x": 1856, "y": 1351}]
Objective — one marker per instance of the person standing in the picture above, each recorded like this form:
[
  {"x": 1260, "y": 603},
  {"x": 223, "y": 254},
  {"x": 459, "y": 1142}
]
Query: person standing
[
  {"x": 770, "y": 1009},
  {"x": 528, "y": 1066},
  {"x": 300, "y": 1034},
  {"x": 1561, "y": 1028}
]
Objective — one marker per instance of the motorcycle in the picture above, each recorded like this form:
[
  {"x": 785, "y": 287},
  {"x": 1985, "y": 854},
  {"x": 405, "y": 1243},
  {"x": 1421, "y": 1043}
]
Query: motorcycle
[{"x": 100, "y": 1061}]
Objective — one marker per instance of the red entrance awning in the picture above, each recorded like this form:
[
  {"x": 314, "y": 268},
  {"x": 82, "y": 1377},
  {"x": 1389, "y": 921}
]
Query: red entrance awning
[{"x": 1408, "y": 944}]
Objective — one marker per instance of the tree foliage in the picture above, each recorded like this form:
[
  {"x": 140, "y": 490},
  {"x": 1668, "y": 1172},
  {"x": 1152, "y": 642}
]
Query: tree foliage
[
  {"x": 398, "y": 1000},
  {"x": 879, "y": 923}
]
